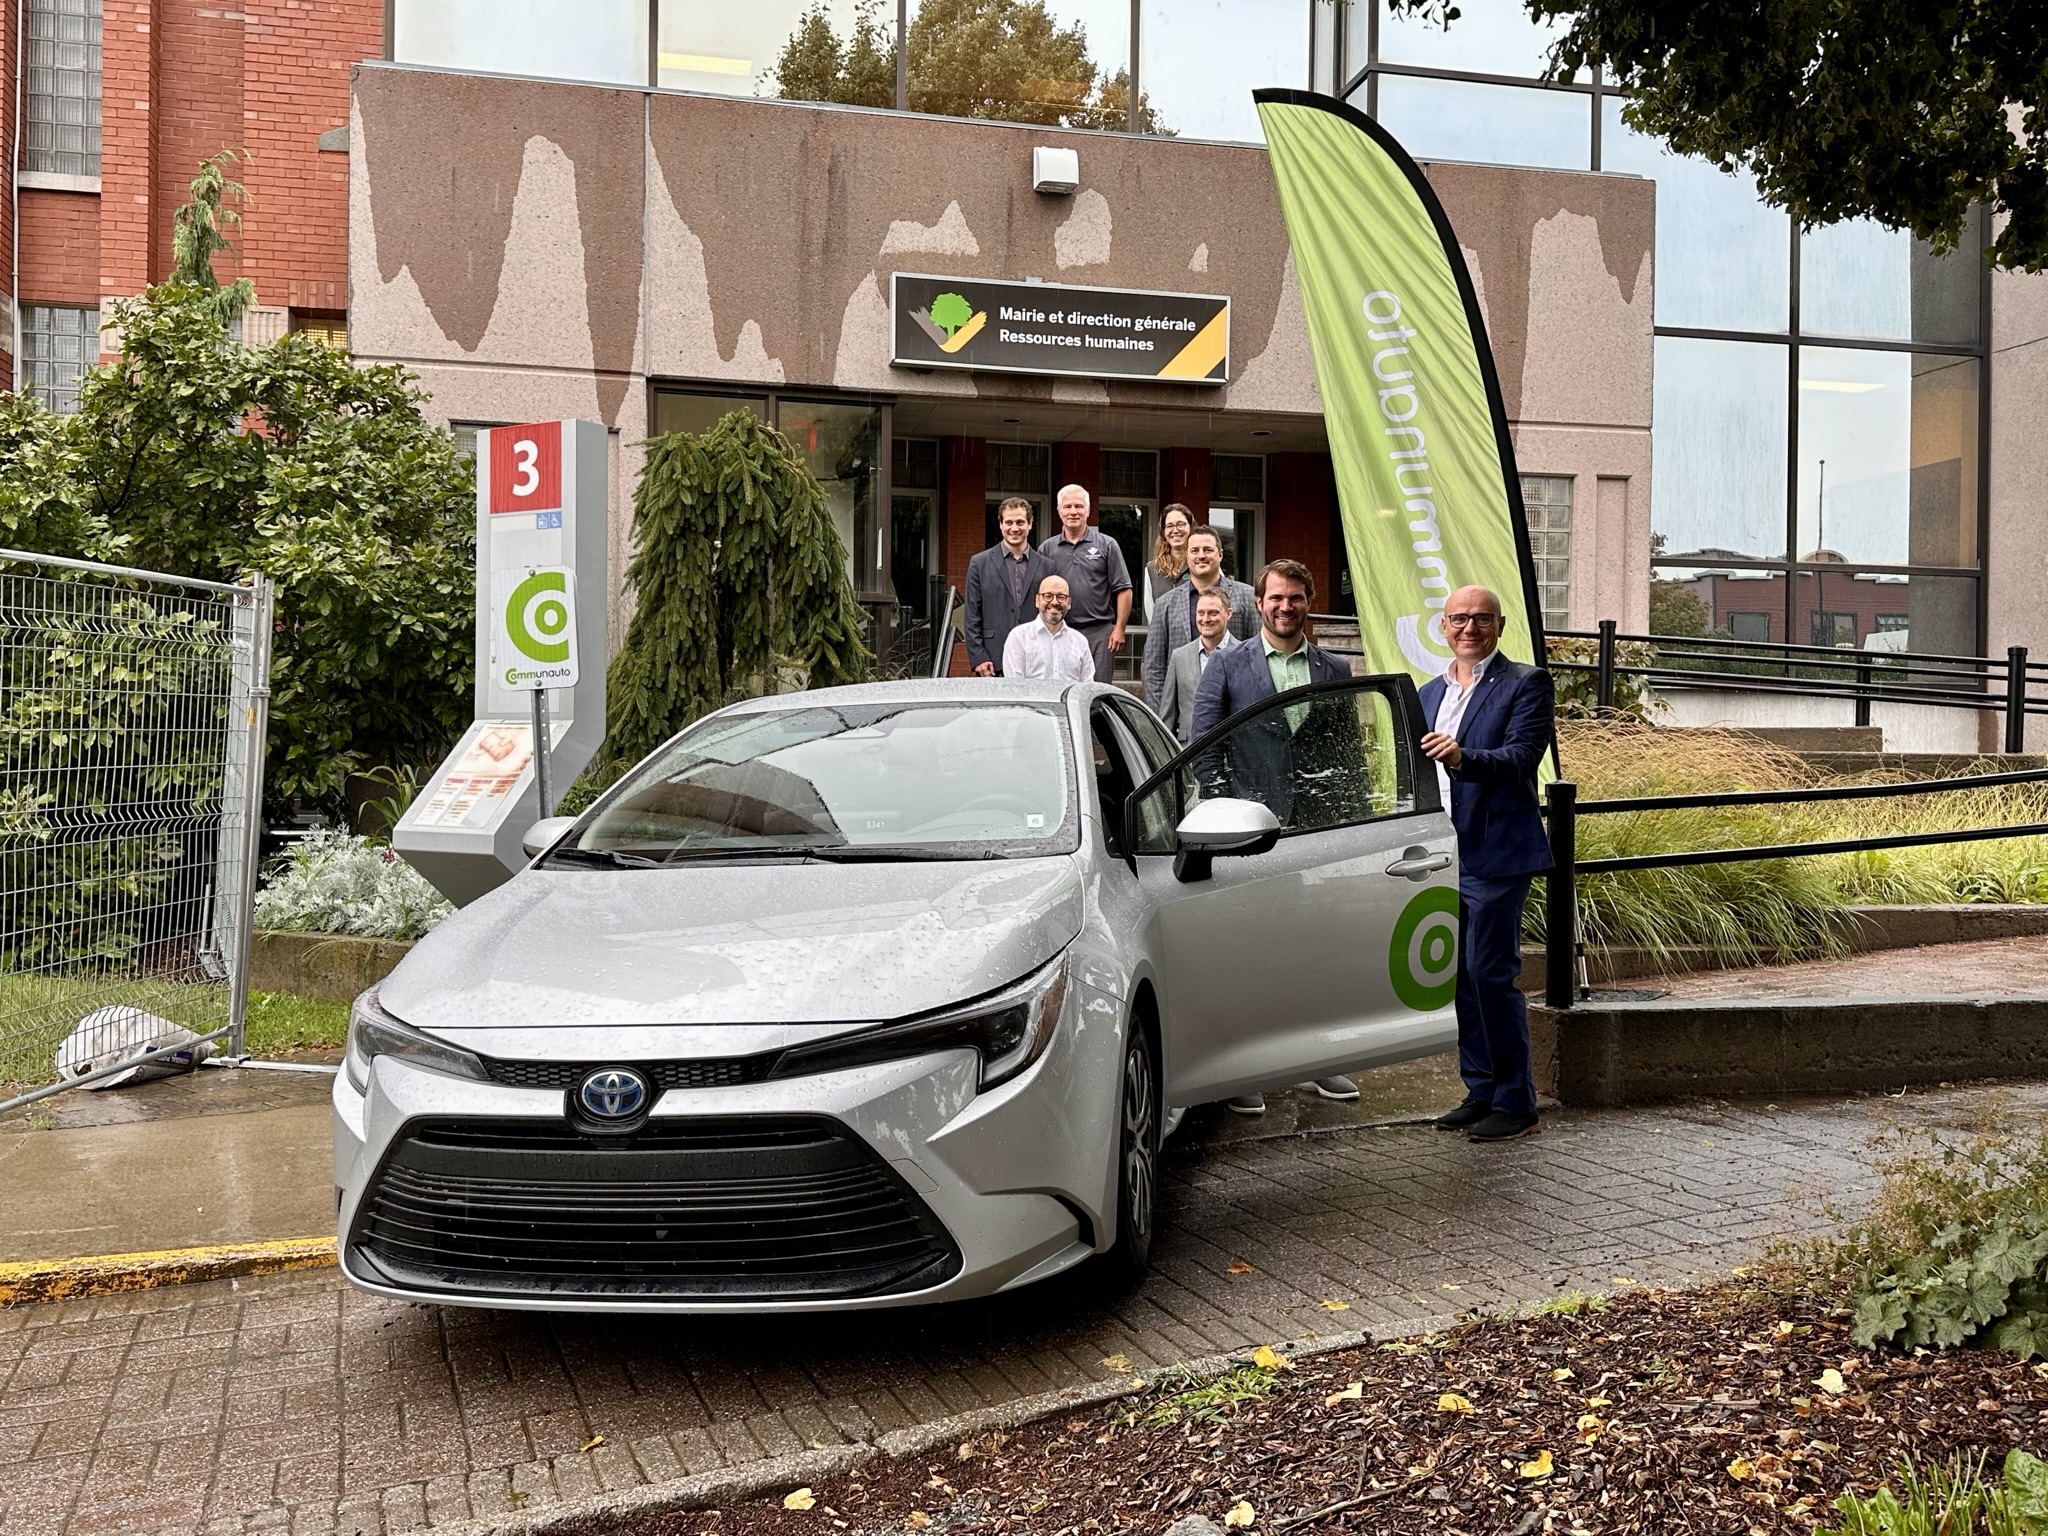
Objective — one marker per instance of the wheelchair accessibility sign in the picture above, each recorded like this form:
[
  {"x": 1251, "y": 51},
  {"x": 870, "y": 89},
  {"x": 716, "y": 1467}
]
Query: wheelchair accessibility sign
[{"x": 533, "y": 640}]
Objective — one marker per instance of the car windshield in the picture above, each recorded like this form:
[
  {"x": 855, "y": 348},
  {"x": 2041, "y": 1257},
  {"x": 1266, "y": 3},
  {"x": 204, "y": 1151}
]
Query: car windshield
[{"x": 926, "y": 781}]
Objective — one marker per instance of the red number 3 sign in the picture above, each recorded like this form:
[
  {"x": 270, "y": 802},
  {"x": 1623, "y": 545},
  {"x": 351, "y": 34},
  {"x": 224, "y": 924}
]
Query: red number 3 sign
[{"x": 526, "y": 467}]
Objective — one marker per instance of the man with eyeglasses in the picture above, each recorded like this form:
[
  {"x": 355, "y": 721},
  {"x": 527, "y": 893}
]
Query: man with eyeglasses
[{"x": 1492, "y": 720}]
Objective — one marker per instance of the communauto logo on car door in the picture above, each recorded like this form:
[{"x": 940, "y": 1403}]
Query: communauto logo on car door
[{"x": 1422, "y": 956}]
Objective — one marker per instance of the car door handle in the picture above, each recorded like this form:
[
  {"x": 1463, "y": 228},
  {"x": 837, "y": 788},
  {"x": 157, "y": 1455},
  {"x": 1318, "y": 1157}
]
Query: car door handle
[{"x": 1419, "y": 865}]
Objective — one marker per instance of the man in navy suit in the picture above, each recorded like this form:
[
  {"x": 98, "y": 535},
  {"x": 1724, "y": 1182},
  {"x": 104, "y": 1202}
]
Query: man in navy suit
[
  {"x": 1256, "y": 761},
  {"x": 1492, "y": 721}
]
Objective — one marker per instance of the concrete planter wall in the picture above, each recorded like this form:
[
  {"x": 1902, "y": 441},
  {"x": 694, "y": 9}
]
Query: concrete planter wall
[{"x": 327, "y": 967}]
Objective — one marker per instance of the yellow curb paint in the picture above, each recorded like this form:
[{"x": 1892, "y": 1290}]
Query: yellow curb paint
[{"x": 108, "y": 1273}]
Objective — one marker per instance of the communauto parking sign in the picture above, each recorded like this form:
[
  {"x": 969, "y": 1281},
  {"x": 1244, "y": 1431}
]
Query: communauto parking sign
[{"x": 533, "y": 628}]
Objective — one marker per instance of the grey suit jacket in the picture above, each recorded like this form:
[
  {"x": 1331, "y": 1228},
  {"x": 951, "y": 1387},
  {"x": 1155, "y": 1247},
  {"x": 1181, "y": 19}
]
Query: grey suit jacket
[
  {"x": 990, "y": 614},
  {"x": 1183, "y": 676},
  {"x": 1173, "y": 626}
]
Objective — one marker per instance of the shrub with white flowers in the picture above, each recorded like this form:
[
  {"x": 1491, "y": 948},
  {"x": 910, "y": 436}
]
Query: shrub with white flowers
[{"x": 336, "y": 882}]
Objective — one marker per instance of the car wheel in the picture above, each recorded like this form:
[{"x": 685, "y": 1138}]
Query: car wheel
[{"x": 1137, "y": 1159}]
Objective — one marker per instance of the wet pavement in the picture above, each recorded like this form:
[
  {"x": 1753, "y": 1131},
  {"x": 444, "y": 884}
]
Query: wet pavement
[
  {"x": 1985, "y": 968},
  {"x": 290, "y": 1403}
]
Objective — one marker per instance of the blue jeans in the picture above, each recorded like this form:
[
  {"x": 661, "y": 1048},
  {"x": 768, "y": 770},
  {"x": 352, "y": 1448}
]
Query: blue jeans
[{"x": 1493, "y": 1017}]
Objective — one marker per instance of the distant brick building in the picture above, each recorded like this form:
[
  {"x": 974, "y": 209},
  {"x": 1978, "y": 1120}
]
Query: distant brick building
[{"x": 116, "y": 109}]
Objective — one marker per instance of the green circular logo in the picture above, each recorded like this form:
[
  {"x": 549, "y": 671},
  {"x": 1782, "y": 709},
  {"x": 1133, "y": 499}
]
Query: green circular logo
[
  {"x": 537, "y": 619},
  {"x": 1422, "y": 957}
]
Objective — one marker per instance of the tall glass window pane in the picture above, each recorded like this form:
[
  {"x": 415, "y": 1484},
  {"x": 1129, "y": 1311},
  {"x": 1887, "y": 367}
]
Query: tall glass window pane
[
  {"x": 1490, "y": 37},
  {"x": 1723, "y": 257},
  {"x": 1494, "y": 124},
  {"x": 1887, "y": 457},
  {"x": 1204, "y": 58},
  {"x": 732, "y": 50},
  {"x": 57, "y": 345},
  {"x": 598, "y": 40},
  {"x": 1742, "y": 604},
  {"x": 677, "y": 410},
  {"x": 842, "y": 446},
  {"x": 1860, "y": 279},
  {"x": 1078, "y": 77},
  {"x": 61, "y": 103},
  {"x": 1547, "y": 502},
  {"x": 1719, "y": 445}
]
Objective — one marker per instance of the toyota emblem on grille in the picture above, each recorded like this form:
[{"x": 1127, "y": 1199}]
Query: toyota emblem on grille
[{"x": 613, "y": 1093}]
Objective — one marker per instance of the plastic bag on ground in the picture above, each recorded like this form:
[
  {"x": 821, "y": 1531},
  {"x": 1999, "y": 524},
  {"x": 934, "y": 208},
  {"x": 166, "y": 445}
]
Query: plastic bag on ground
[{"x": 113, "y": 1034}]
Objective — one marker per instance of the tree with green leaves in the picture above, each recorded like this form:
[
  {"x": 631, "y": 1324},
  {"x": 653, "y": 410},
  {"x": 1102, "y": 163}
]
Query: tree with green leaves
[
  {"x": 1007, "y": 60},
  {"x": 193, "y": 455},
  {"x": 1910, "y": 112},
  {"x": 199, "y": 233},
  {"x": 739, "y": 586}
]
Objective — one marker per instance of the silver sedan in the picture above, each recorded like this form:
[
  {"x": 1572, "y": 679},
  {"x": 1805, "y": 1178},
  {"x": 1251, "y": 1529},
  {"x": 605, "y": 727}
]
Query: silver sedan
[{"x": 884, "y": 995}]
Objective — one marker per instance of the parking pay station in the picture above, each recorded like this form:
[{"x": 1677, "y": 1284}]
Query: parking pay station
[{"x": 541, "y": 585}]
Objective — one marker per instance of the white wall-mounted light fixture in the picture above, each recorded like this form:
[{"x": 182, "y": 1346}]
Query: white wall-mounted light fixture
[{"x": 1057, "y": 171}]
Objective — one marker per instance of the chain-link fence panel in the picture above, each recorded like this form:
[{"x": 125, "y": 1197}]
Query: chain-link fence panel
[{"x": 132, "y": 716}]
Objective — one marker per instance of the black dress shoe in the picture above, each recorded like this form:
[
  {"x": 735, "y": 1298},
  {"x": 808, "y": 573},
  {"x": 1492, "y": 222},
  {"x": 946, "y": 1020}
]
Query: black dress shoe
[
  {"x": 1504, "y": 1127},
  {"x": 1465, "y": 1116}
]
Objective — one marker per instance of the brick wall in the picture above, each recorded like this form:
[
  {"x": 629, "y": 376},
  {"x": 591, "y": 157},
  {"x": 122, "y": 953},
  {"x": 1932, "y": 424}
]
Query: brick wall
[
  {"x": 1184, "y": 477},
  {"x": 128, "y": 155},
  {"x": 1301, "y": 492},
  {"x": 963, "y": 482},
  {"x": 198, "y": 113},
  {"x": 60, "y": 245}
]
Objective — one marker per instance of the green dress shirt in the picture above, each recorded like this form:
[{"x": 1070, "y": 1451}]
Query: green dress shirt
[{"x": 1289, "y": 669}]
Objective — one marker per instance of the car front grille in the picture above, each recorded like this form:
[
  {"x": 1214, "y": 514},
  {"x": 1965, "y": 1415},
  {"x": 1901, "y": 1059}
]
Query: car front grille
[
  {"x": 727, "y": 1072},
  {"x": 727, "y": 1208}
]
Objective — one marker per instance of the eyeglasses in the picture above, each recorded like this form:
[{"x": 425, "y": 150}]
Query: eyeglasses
[{"x": 1471, "y": 620}]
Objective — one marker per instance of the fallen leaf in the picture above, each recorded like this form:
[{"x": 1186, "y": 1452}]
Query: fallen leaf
[
  {"x": 1590, "y": 1426},
  {"x": 1350, "y": 1394},
  {"x": 1241, "y": 1514},
  {"x": 1783, "y": 1329},
  {"x": 966, "y": 1451},
  {"x": 1117, "y": 1362},
  {"x": 1619, "y": 1280},
  {"x": 1599, "y": 1402},
  {"x": 917, "y": 1519},
  {"x": 1267, "y": 1358},
  {"x": 1830, "y": 1381},
  {"x": 1451, "y": 1402},
  {"x": 803, "y": 1498},
  {"x": 1741, "y": 1470},
  {"x": 1540, "y": 1467},
  {"x": 1562, "y": 1373},
  {"x": 1336, "y": 1306},
  {"x": 1238, "y": 1267},
  {"x": 1742, "y": 1269},
  {"x": 592, "y": 1443},
  {"x": 1447, "y": 1286}
]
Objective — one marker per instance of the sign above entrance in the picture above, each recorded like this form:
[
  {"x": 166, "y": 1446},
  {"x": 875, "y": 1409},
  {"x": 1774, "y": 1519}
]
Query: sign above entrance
[{"x": 1097, "y": 333}]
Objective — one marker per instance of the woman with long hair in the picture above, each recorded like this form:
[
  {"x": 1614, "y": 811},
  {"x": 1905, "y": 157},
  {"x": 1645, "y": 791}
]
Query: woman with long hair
[{"x": 1168, "y": 567}]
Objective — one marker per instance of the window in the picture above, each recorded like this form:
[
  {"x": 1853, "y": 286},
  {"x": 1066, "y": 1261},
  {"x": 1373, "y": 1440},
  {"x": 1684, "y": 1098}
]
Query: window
[
  {"x": 57, "y": 345},
  {"x": 841, "y": 443},
  {"x": 331, "y": 329},
  {"x": 1752, "y": 627},
  {"x": 1833, "y": 628},
  {"x": 1891, "y": 624},
  {"x": 914, "y": 464},
  {"x": 1496, "y": 124},
  {"x": 678, "y": 411},
  {"x": 1547, "y": 501},
  {"x": 1706, "y": 496},
  {"x": 1025, "y": 468},
  {"x": 1237, "y": 477},
  {"x": 61, "y": 109},
  {"x": 465, "y": 434},
  {"x": 1200, "y": 61},
  {"x": 1130, "y": 474},
  {"x": 597, "y": 40}
]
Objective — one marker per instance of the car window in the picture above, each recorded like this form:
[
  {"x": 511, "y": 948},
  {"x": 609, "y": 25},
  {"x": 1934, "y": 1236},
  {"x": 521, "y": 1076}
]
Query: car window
[
  {"x": 1116, "y": 775},
  {"x": 1317, "y": 758},
  {"x": 947, "y": 780},
  {"x": 1155, "y": 741}
]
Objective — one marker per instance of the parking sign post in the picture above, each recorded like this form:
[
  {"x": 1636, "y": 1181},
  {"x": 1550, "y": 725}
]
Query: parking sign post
[{"x": 541, "y": 589}]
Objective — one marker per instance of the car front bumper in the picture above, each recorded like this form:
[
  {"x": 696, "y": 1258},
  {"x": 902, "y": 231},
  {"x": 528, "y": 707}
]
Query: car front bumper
[{"x": 481, "y": 1194}]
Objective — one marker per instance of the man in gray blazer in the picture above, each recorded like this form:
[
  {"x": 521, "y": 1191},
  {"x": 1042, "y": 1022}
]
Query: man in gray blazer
[
  {"x": 1184, "y": 669},
  {"x": 1002, "y": 588},
  {"x": 1173, "y": 618}
]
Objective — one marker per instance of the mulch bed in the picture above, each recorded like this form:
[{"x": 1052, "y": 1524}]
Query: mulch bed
[{"x": 1737, "y": 1408}]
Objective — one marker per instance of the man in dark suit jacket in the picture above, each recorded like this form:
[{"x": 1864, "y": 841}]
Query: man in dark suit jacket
[
  {"x": 1002, "y": 588},
  {"x": 1256, "y": 761},
  {"x": 1491, "y": 722}
]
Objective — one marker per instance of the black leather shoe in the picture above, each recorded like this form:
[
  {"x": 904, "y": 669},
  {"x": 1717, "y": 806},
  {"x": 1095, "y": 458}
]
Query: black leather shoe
[
  {"x": 1504, "y": 1127},
  {"x": 1465, "y": 1116}
]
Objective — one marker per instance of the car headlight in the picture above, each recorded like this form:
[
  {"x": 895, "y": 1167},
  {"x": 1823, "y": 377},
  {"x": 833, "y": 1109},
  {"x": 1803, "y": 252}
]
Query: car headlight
[
  {"x": 1008, "y": 1030},
  {"x": 372, "y": 1032}
]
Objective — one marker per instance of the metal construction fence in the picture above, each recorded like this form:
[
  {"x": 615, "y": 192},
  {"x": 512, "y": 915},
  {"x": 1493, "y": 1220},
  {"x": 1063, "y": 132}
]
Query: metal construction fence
[{"x": 133, "y": 709}]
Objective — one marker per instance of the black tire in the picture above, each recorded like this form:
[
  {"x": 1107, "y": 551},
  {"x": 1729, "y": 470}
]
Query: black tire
[{"x": 1137, "y": 1160}]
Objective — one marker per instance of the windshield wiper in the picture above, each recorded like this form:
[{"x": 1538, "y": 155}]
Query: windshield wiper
[{"x": 603, "y": 858}]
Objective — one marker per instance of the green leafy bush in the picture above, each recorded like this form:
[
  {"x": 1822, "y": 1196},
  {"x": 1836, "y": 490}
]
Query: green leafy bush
[
  {"x": 1578, "y": 692},
  {"x": 335, "y": 882},
  {"x": 1955, "y": 1498}
]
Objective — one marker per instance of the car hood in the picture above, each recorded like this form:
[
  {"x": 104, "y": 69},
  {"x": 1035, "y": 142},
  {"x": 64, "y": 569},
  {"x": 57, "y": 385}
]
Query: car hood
[{"x": 756, "y": 944}]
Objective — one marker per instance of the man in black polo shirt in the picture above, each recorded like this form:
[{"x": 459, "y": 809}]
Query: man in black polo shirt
[{"x": 1093, "y": 565}]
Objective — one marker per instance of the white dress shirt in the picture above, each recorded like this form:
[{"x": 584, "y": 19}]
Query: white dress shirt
[
  {"x": 1035, "y": 651},
  {"x": 1450, "y": 713}
]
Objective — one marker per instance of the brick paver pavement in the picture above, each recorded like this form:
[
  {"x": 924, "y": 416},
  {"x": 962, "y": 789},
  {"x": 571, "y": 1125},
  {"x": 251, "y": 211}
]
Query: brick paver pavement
[
  {"x": 1982, "y": 968},
  {"x": 292, "y": 1404}
]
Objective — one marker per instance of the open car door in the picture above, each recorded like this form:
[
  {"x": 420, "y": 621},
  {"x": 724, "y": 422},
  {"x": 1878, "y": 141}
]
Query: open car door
[{"x": 1302, "y": 875}]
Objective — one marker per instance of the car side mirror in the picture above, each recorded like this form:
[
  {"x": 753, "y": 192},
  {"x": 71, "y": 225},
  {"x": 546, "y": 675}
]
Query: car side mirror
[
  {"x": 544, "y": 834},
  {"x": 1222, "y": 826}
]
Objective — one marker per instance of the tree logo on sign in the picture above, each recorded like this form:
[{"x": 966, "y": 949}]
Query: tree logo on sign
[{"x": 537, "y": 617}]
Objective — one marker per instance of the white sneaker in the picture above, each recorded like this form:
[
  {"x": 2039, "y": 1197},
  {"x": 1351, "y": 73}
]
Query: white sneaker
[{"x": 1341, "y": 1089}]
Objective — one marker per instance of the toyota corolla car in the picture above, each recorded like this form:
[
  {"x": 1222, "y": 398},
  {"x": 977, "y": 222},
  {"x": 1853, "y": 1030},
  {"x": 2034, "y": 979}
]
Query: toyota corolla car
[{"x": 884, "y": 995}]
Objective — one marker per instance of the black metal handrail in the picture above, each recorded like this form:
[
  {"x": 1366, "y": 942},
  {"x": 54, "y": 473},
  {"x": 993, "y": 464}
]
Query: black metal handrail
[{"x": 1563, "y": 809}]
